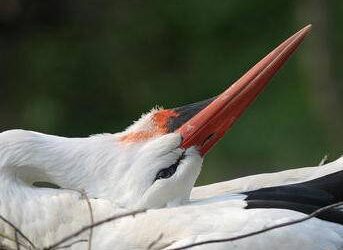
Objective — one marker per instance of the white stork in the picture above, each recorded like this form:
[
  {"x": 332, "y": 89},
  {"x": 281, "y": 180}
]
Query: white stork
[{"x": 153, "y": 165}]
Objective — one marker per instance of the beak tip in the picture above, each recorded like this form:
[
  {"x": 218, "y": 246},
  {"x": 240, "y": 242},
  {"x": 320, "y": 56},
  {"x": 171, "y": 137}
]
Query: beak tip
[
  {"x": 306, "y": 29},
  {"x": 211, "y": 123},
  {"x": 309, "y": 26}
]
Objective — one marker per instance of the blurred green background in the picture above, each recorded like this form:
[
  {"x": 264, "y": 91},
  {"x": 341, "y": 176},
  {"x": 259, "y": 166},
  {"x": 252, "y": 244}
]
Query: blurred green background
[{"x": 81, "y": 67}]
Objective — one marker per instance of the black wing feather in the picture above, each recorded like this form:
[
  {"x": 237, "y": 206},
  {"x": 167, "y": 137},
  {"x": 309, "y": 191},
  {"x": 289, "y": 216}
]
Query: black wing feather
[{"x": 305, "y": 197}]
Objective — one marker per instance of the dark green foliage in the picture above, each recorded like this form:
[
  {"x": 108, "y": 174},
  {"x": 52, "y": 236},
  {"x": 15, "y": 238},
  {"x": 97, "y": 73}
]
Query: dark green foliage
[{"x": 82, "y": 67}]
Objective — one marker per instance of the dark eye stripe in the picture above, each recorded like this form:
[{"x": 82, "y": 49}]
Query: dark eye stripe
[{"x": 166, "y": 173}]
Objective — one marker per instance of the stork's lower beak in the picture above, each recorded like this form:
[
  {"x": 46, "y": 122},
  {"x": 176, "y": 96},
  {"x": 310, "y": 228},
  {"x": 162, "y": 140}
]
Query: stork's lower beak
[{"x": 216, "y": 116}]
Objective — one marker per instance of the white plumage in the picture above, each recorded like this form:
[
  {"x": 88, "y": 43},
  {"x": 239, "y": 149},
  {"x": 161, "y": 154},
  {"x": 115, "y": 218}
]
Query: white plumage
[
  {"x": 153, "y": 165},
  {"x": 47, "y": 215},
  {"x": 254, "y": 182}
]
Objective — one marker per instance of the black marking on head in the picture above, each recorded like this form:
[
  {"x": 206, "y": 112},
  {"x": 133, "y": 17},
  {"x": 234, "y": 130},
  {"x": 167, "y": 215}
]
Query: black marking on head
[
  {"x": 44, "y": 184},
  {"x": 187, "y": 112},
  {"x": 305, "y": 197}
]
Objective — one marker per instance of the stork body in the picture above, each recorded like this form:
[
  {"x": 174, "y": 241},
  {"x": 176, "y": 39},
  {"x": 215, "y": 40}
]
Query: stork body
[
  {"x": 46, "y": 215},
  {"x": 153, "y": 165}
]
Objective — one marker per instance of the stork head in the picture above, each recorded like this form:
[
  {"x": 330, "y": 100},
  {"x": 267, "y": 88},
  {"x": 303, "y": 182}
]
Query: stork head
[
  {"x": 162, "y": 152},
  {"x": 155, "y": 162}
]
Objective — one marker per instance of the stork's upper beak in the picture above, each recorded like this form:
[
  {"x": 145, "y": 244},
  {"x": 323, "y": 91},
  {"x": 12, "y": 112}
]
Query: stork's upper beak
[{"x": 203, "y": 124}]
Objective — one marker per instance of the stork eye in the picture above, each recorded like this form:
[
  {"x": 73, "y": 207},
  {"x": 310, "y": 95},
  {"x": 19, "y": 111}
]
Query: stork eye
[{"x": 166, "y": 173}]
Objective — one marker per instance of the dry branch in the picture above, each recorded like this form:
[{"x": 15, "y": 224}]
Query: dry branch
[
  {"x": 91, "y": 215},
  {"x": 242, "y": 236},
  {"x": 17, "y": 230},
  {"x": 96, "y": 224}
]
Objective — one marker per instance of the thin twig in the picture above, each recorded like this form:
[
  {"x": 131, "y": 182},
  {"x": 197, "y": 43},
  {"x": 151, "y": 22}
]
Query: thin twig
[
  {"x": 3, "y": 247},
  {"x": 324, "y": 160},
  {"x": 6, "y": 237},
  {"x": 152, "y": 244},
  {"x": 11, "y": 239},
  {"x": 17, "y": 230},
  {"x": 16, "y": 240},
  {"x": 242, "y": 236},
  {"x": 91, "y": 220},
  {"x": 71, "y": 244},
  {"x": 91, "y": 215},
  {"x": 96, "y": 224}
]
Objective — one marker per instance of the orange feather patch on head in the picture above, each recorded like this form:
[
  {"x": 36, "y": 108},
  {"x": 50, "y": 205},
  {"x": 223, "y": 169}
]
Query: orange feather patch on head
[
  {"x": 161, "y": 119},
  {"x": 159, "y": 126}
]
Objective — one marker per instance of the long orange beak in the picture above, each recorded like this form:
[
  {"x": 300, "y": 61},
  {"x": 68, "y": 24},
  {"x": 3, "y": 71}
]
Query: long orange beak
[{"x": 209, "y": 125}]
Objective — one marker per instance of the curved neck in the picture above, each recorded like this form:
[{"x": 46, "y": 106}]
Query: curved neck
[
  {"x": 26, "y": 157},
  {"x": 75, "y": 163}
]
